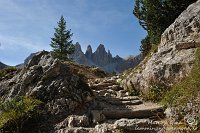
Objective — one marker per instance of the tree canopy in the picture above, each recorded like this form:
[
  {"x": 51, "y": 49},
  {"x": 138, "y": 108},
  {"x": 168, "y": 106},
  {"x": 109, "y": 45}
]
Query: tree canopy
[
  {"x": 61, "y": 42},
  {"x": 155, "y": 16}
]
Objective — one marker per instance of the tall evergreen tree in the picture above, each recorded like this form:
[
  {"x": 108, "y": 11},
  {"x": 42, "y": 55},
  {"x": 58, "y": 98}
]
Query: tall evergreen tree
[{"x": 61, "y": 43}]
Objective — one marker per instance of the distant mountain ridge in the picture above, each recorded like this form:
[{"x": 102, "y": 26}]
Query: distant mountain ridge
[
  {"x": 102, "y": 59},
  {"x": 2, "y": 65}
]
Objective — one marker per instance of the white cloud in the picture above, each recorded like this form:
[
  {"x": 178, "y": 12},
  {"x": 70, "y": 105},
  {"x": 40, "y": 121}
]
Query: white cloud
[{"x": 10, "y": 43}]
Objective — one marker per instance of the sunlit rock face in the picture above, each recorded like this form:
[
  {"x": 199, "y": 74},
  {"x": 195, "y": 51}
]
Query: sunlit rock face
[
  {"x": 175, "y": 55},
  {"x": 50, "y": 81}
]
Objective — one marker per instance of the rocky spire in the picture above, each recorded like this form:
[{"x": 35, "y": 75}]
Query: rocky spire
[
  {"x": 100, "y": 49},
  {"x": 88, "y": 52},
  {"x": 99, "y": 56},
  {"x": 77, "y": 46},
  {"x": 109, "y": 54}
]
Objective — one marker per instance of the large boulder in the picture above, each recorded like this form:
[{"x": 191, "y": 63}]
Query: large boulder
[
  {"x": 50, "y": 81},
  {"x": 73, "y": 121},
  {"x": 174, "y": 57}
]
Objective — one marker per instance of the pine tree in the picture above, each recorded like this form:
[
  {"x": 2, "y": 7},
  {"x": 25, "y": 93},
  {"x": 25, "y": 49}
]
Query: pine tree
[{"x": 61, "y": 42}]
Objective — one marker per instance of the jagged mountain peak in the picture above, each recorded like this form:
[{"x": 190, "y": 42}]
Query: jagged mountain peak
[
  {"x": 88, "y": 52},
  {"x": 89, "y": 48},
  {"x": 101, "y": 45},
  {"x": 101, "y": 58},
  {"x": 78, "y": 46},
  {"x": 109, "y": 54},
  {"x": 101, "y": 48},
  {"x": 117, "y": 57}
]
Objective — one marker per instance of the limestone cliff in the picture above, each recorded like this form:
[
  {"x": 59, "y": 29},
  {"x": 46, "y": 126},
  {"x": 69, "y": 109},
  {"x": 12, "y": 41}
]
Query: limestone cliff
[
  {"x": 174, "y": 57},
  {"x": 103, "y": 59}
]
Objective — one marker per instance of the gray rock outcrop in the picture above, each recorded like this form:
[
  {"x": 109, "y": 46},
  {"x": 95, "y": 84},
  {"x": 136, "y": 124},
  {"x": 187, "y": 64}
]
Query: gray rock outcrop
[
  {"x": 175, "y": 55},
  {"x": 50, "y": 81}
]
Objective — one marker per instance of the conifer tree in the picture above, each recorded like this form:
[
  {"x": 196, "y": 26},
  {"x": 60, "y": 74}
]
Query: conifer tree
[{"x": 61, "y": 43}]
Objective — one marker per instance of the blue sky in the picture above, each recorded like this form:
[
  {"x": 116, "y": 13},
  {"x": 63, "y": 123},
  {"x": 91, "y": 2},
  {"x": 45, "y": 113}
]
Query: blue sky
[{"x": 26, "y": 26}]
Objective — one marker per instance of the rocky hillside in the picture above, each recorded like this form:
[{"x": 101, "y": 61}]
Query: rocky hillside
[
  {"x": 2, "y": 65},
  {"x": 76, "y": 98},
  {"x": 174, "y": 57},
  {"x": 103, "y": 59},
  {"x": 60, "y": 86}
]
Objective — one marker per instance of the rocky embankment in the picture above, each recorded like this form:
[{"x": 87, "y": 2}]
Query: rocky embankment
[
  {"x": 174, "y": 57},
  {"x": 53, "y": 83},
  {"x": 113, "y": 110},
  {"x": 78, "y": 99}
]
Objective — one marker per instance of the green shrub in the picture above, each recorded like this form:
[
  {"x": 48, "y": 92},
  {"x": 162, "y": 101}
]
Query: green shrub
[
  {"x": 156, "y": 91},
  {"x": 113, "y": 73},
  {"x": 186, "y": 89},
  {"x": 133, "y": 92},
  {"x": 186, "y": 92},
  {"x": 15, "y": 112},
  {"x": 5, "y": 71},
  {"x": 123, "y": 130}
]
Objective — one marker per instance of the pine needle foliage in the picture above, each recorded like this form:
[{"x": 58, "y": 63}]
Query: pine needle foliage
[{"x": 61, "y": 43}]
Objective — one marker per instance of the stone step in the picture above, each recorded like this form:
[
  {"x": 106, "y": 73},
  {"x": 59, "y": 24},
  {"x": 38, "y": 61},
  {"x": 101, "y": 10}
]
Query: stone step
[
  {"x": 129, "y": 125},
  {"x": 76, "y": 130},
  {"x": 97, "y": 81},
  {"x": 122, "y": 93},
  {"x": 134, "y": 111},
  {"x": 116, "y": 99},
  {"x": 105, "y": 92},
  {"x": 132, "y": 102},
  {"x": 114, "y": 87},
  {"x": 127, "y": 98},
  {"x": 100, "y": 86},
  {"x": 138, "y": 125},
  {"x": 109, "y": 81}
]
